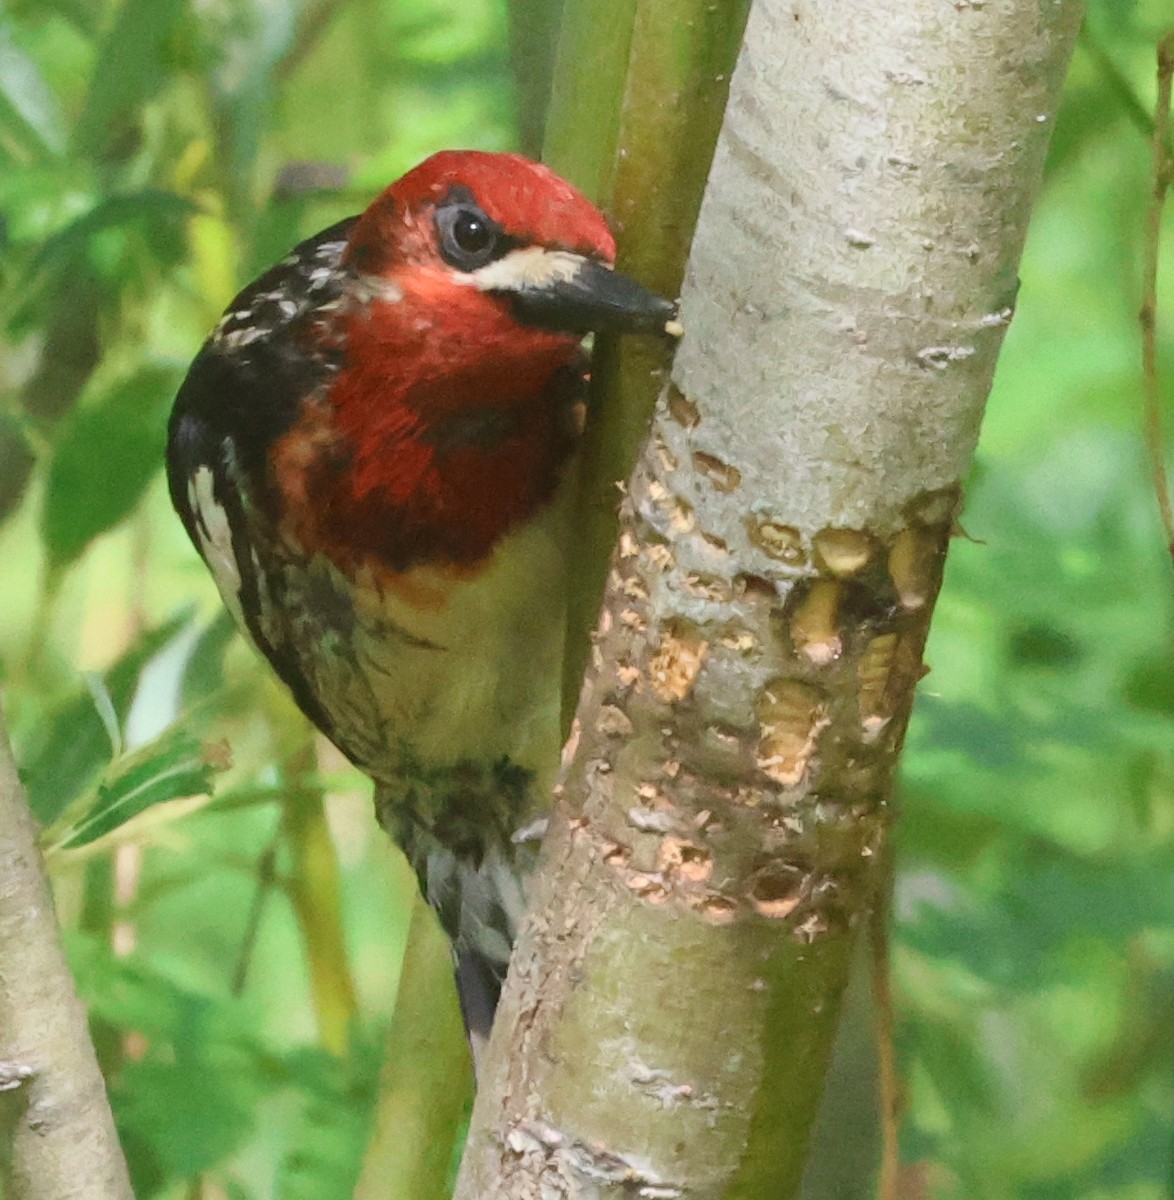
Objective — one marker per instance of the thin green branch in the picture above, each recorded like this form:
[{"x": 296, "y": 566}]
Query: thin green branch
[
  {"x": 639, "y": 92},
  {"x": 1148, "y": 315},
  {"x": 315, "y": 890},
  {"x": 313, "y": 23},
  {"x": 266, "y": 876},
  {"x": 425, "y": 1086},
  {"x": 1118, "y": 83}
]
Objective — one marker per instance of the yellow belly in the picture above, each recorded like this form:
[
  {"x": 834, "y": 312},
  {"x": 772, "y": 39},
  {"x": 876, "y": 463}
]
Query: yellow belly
[{"x": 481, "y": 678}]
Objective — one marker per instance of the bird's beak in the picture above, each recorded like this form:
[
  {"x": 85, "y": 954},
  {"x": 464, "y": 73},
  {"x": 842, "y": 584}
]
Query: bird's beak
[{"x": 557, "y": 290}]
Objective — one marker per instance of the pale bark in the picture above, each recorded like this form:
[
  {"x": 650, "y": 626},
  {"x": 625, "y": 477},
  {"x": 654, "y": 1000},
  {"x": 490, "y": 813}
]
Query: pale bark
[
  {"x": 57, "y": 1138},
  {"x": 671, "y": 1004}
]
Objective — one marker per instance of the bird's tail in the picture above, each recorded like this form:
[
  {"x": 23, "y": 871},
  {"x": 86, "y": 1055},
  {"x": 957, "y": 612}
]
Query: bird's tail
[
  {"x": 473, "y": 876},
  {"x": 480, "y": 905}
]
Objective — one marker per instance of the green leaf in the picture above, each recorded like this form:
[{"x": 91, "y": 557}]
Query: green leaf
[
  {"x": 30, "y": 122},
  {"x": 194, "y": 1113},
  {"x": 105, "y": 459},
  {"x": 74, "y": 745},
  {"x": 170, "y": 767},
  {"x": 132, "y": 64},
  {"x": 208, "y": 1072},
  {"x": 104, "y": 707},
  {"x": 65, "y": 255},
  {"x": 192, "y": 1100},
  {"x": 203, "y": 674},
  {"x": 331, "y": 1120}
]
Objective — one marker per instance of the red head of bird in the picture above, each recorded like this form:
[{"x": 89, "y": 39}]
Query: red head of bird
[{"x": 472, "y": 280}]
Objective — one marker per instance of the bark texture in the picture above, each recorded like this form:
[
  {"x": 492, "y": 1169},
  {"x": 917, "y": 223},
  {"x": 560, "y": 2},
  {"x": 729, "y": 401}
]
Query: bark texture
[
  {"x": 672, "y": 1001},
  {"x": 57, "y": 1139}
]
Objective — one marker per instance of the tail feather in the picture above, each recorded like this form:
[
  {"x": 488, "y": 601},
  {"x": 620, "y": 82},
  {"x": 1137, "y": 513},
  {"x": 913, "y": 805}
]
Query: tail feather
[
  {"x": 480, "y": 907},
  {"x": 478, "y": 897},
  {"x": 478, "y": 989}
]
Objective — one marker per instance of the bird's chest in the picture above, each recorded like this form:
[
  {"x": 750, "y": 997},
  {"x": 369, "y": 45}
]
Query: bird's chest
[
  {"x": 425, "y": 554},
  {"x": 443, "y": 663},
  {"x": 408, "y": 493}
]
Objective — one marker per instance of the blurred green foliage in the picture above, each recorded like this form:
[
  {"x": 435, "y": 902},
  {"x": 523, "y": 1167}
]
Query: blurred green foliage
[
  {"x": 154, "y": 154},
  {"x": 239, "y": 947},
  {"x": 1035, "y": 955}
]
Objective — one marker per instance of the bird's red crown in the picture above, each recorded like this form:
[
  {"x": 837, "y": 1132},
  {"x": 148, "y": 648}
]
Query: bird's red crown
[{"x": 529, "y": 202}]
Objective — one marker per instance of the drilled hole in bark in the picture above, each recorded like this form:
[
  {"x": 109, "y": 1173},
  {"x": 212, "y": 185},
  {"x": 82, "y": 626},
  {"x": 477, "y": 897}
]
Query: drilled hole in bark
[
  {"x": 682, "y": 409},
  {"x": 687, "y": 861},
  {"x": 791, "y": 715},
  {"x": 616, "y": 855},
  {"x": 724, "y": 477},
  {"x": 783, "y": 542},
  {"x": 759, "y": 585},
  {"x": 915, "y": 565},
  {"x": 843, "y": 552},
  {"x": 938, "y": 507},
  {"x": 827, "y": 617},
  {"x": 776, "y": 891},
  {"x": 709, "y": 587},
  {"x": 717, "y": 909}
]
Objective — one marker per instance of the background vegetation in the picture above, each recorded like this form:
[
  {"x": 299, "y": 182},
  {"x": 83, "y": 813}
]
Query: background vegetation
[{"x": 240, "y": 945}]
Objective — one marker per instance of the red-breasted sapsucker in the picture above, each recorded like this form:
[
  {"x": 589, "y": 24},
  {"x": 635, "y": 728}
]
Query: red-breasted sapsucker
[{"x": 368, "y": 452}]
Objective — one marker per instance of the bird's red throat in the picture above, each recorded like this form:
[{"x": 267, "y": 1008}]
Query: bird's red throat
[{"x": 392, "y": 472}]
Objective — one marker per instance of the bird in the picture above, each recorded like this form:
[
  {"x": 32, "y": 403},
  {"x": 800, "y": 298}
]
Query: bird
[{"x": 372, "y": 452}]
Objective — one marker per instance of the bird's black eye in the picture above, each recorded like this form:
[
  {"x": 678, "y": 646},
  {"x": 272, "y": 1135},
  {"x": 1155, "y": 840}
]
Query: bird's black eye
[
  {"x": 471, "y": 233},
  {"x": 468, "y": 238}
]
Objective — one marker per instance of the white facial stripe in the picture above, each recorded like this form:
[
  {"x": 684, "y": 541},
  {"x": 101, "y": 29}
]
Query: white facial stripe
[
  {"x": 531, "y": 267},
  {"x": 215, "y": 535}
]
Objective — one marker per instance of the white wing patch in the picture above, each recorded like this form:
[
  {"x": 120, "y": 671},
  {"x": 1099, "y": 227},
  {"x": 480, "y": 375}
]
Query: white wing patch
[{"x": 214, "y": 533}]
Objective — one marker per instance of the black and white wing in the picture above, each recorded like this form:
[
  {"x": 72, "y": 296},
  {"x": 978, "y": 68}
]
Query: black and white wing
[{"x": 245, "y": 389}]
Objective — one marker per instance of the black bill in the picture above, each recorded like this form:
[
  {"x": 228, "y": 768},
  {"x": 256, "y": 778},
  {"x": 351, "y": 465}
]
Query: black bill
[{"x": 585, "y": 296}]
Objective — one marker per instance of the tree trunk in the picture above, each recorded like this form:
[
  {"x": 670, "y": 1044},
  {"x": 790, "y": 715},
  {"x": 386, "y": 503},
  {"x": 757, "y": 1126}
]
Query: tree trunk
[
  {"x": 672, "y": 1001},
  {"x": 57, "y": 1139}
]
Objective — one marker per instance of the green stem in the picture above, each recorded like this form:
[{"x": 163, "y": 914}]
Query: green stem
[
  {"x": 315, "y": 891},
  {"x": 266, "y": 866},
  {"x": 648, "y": 79},
  {"x": 313, "y": 23},
  {"x": 534, "y": 31},
  {"x": 424, "y": 1090},
  {"x": 1155, "y": 440},
  {"x": 1121, "y": 87}
]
